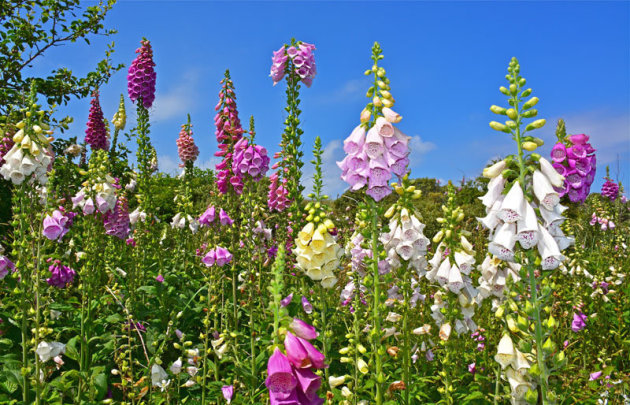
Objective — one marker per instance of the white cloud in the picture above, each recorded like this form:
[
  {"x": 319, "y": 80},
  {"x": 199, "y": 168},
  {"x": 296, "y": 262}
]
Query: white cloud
[
  {"x": 333, "y": 185},
  {"x": 167, "y": 164},
  {"x": 417, "y": 148},
  {"x": 348, "y": 91},
  {"x": 178, "y": 100}
]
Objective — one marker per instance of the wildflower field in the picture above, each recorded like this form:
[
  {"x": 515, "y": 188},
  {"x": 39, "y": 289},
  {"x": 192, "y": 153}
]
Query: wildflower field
[{"x": 120, "y": 284}]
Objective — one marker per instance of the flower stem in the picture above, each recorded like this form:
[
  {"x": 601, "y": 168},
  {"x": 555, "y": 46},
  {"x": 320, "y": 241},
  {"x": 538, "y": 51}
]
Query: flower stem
[{"x": 376, "y": 316}]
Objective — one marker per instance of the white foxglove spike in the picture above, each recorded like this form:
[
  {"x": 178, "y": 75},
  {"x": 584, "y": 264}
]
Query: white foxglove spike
[
  {"x": 405, "y": 250},
  {"x": 513, "y": 207},
  {"x": 464, "y": 262},
  {"x": 505, "y": 352},
  {"x": 490, "y": 221},
  {"x": 527, "y": 228},
  {"x": 503, "y": 240},
  {"x": 544, "y": 192},
  {"x": 495, "y": 188},
  {"x": 555, "y": 178},
  {"x": 548, "y": 249}
]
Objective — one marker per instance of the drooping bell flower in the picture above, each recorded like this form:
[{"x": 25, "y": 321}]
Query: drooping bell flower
[
  {"x": 302, "y": 62},
  {"x": 303, "y": 329},
  {"x": 280, "y": 379},
  {"x": 228, "y": 393},
  {"x": 224, "y": 218},
  {"x": 141, "y": 76},
  {"x": 208, "y": 216},
  {"x": 57, "y": 225},
  {"x": 5, "y": 266},
  {"x": 579, "y": 321},
  {"x": 96, "y": 133},
  {"x": 250, "y": 160}
]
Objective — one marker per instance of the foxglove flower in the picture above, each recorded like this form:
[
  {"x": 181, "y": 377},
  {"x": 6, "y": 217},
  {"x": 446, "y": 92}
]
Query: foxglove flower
[
  {"x": 57, "y": 225},
  {"x": 579, "y": 322},
  {"x": 228, "y": 133},
  {"x": 116, "y": 221},
  {"x": 141, "y": 76},
  {"x": 30, "y": 157},
  {"x": 301, "y": 59},
  {"x": 5, "y": 266},
  {"x": 610, "y": 189},
  {"x": 317, "y": 253},
  {"x": 96, "y": 133},
  {"x": 573, "y": 158},
  {"x": 250, "y": 160},
  {"x": 60, "y": 275},
  {"x": 186, "y": 148}
]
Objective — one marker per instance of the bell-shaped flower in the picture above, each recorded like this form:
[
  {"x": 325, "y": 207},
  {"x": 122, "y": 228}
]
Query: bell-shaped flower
[
  {"x": 354, "y": 143},
  {"x": 443, "y": 272},
  {"x": 296, "y": 353},
  {"x": 176, "y": 367},
  {"x": 391, "y": 116},
  {"x": 374, "y": 146},
  {"x": 159, "y": 378},
  {"x": 455, "y": 281},
  {"x": 502, "y": 243},
  {"x": 495, "y": 189},
  {"x": 544, "y": 191},
  {"x": 513, "y": 206},
  {"x": 303, "y": 329},
  {"x": 280, "y": 381},
  {"x": 527, "y": 228},
  {"x": 548, "y": 249},
  {"x": 464, "y": 261},
  {"x": 47, "y": 351},
  {"x": 208, "y": 216},
  {"x": 223, "y": 256},
  {"x": 505, "y": 352},
  {"x": 384, "y": 127},
  {"x": 559, "y": 152},
  {"x": 496, "y": 169},
  {"x": 555, "y": 178},
  {"x": 309, "y": 383}
]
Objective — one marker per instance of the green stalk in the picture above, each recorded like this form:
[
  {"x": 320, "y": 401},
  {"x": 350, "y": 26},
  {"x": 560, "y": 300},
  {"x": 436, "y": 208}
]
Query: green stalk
[
  {"x": 533, "y": 285},
  {"x": 322, "y": 298},
  {"x": 376, "y": 316},
  {"x": 206, "y": 322},
  {"x": 538, "y": 333},
  {"x": 406, "y": 334}
]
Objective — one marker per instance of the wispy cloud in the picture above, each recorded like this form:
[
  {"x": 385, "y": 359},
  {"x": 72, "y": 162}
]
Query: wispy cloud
[
  {"x": 178, "y": 99},
  {"x": 348, "y": 91},
  {"x": 417, "y": 148},
  {"x": 170, "y": 164}
]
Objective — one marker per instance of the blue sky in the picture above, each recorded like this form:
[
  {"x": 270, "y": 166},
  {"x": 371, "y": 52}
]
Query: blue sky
[{"x": 445, "y": 60}]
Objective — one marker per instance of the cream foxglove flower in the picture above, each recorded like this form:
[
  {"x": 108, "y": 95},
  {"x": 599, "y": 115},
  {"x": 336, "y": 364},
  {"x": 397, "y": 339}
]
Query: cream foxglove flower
[
  {"x": 505, "y": 352},
  {"x": 493, "y": 171},
  {"x": 549, "y": 251},
  {"x": 555, "y": 178}
]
